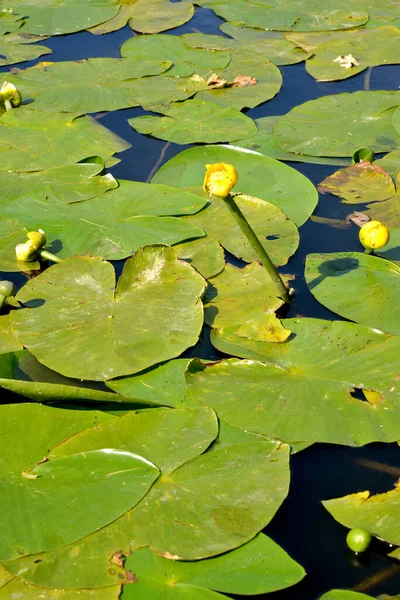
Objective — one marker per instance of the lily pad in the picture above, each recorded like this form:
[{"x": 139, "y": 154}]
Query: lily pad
[
  {"x": 91, "y": 324},
  {"x": 153, "y": 16},
  {"x": 344, "y": 595},
  {"x": 96, "y": 84},
  {"x": 173, "y": 48},
  {"x": 258, "y": 567},
  {"x": 227, "y": 304},
  {"x": 11, "y": 234},
  {"x": 259, "y": 176},
  {"x": 290, "y": 15},
  {"x": 163, "y": 384},
  {"x": 271, "y": 44},
  {"x": 317, "y": 127},
  {"x": 264, "y": 142},
  {"x": 204, "y": 254},
  {"x": 33, "y": 140},
  {"x": 50, "y": 17},
  {"x": 337, "y": 279},
  {"x": 22, "y": 374},
  {"x": 8, "y": 341},
  {"x": 10, "y": 21},
  {"x": 180, "y": 123},
  {"x": 70, "y": 183},
  {"x": 113, "y": 225},
  {"x": 272, "y": 399},
  {"x": 370, "y": 48},
  {"x": 277, "y": 234},
  {"x": 379, "y": 514},
  {"x": 15, "y": 48}
]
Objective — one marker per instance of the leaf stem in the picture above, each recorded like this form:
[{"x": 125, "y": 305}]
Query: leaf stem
[
  {"x": 49, "y": 256},
  {"x": 258, "y": 248}
]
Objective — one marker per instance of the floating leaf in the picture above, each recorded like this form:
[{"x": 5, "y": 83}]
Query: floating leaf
[
  {"x": 8, "y": 341},
  {"x": 15, "y": 48},
  {"x": 221, "y": 512},
  {"x": 317, "y": 127},
  {"x": 344, "y": 595},
  {"x": 227, "y": 304},
  {"x": 10, "y": 21},
  {"x": 264, "y": 142},
  {"x": 362, "y": 182},
  {"x": 70, "y": 183},
  {"x": 173, "y": 48},
  {"x": 33, "y": 140},
  {"x": 371, "y": 48},
  {"x": 113, "y": 225},
  {"x": 277, "y": 399},
  {"x": 258, "y": 567},
  {"x": 179, "y": 125},
  {"x": 163, "y": 384},
  {"x": 270, "y": 44},
  {"x": 359, "y": 287},
  {"x": 153, "y": 16},
  {"x": 277, "y": 234},
  {"x": 50, "y": 17},
  {"x": 85, "y": 330},
  {"x": 11, "y": 234},
  {"x": 289, "y": 15},
  {"x": 22, "y": 374},
  {"x": 259, "y": 176},
  {"x": 379, "y": 514},
  {"x": 205, "y": 255}
]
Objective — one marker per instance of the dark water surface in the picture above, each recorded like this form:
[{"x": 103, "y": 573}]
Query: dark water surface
[{"x": 302, "y": 526}]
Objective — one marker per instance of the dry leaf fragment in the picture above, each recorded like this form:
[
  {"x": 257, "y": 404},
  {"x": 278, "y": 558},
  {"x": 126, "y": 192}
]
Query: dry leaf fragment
[
  {"x": 170, "y": 556},
  {"x": 117, "y": 559},
  {"x": 131, "y": 576},
  {"x": 244, "y": 80},
  {"x": 347, "y": 61},
  {"x": 216, "y": 82},
  {"x": 358, "y": 218}
]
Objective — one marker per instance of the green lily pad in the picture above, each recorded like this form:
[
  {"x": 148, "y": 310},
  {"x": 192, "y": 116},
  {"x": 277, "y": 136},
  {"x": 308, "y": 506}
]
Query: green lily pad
[
  {"x": 33, "y": 140},
  {"x": 227, "y": 304},
  {"x": 259, "y": 176},
  {"x": 390, "y": 162},
  {"x": 111, "y": 226},
  {"x": 163, "y": 384},
  {"x": 340, "y": 124},
  {"x": 179, "y": 125},
  {"x": 153, "y": 16},
  {"x": 204, "y": 254},
  {"x": 222, "y": 512},
  {"x": 50, "y": 17},
  {"x": 277, "y": 234},
  {"x": 179, "y": 435},
  {"x": 258, "y": 567},
  {"x": 344, "y": 595},
  {"x": 78, "y": 494},
  {"x": 11, "y": 234},
  {"x": 337, "y": 280},
  {"x": 8, "y": 341},
  {"x": 264, "y": 142},
  {"x": 290, "y": 15},
  {"x": 171, "y": 47},
  {"x": 208, "y": 41},
  {"x": 370, "y": 48},
  {"x": 259, "y": 81},
  {"x": 84, "y": 330},
  {"x": 84, "y": 86},
  {"x": 70, "y": 183},
  {"x": 271, "y": 44},
  {"x": 22, "y": 374},
  {"x": 16, "y": 48},
  {"x": 10, "y": 21},
  {"x": 276, "y": 399},
  {"x": 379, "y": 514}
]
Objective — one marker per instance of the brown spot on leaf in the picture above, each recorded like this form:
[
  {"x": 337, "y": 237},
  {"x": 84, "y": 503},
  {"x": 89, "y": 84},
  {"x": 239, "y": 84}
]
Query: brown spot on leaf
[
  {"x": 244, "y": 80},
  {"x": 170, "y": 556},
  {"x": 117, "y": 559},
  {"x": 131, "y": 577}
]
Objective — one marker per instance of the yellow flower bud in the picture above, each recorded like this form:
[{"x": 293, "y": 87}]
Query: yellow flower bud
[
  {"x": 25, "y": 252},
  {"x": 374, "y": 235},
  {"x": 9, "y": 92},
  {"x": 220, "y": 179},
  {"x": 37, "y": 239}
]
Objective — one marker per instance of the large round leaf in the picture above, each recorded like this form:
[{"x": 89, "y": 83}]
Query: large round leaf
[
  {"x": 357, "y": 286},
  {"x": 76, "y": 324},
  {"x": 258, "y": 567},
  {"x": 16, "y": 47},
  {"x": 301, "y": 400},
  {"x": 277, "y": 234},
  {"x": 379, "y": 514},
  {"x": 259, "y": 176},
  {"x": 91, "y": 85},
  {"x": 52, "y": 17},
  {"x": 338, "y": 125},
  {"x": 113, "y": 225},
  {"x": 180, "y": 123}
]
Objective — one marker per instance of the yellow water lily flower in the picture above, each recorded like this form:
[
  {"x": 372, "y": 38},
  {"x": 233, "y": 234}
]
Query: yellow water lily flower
[
  {"x": 9, "y": 93},
  {"x": 374, "y": 235},
  {"x": 25, "y": 252},
  {"x": 37, "y": 239},
  {"x": 220, "y": 179}
]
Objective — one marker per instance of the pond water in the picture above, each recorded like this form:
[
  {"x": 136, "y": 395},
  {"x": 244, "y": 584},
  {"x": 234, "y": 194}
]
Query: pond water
[{"x": 301, "y": 526}]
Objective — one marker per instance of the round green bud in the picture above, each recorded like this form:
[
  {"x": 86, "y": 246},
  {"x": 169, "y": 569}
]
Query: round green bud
[{"x": 358, "y": 540}]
